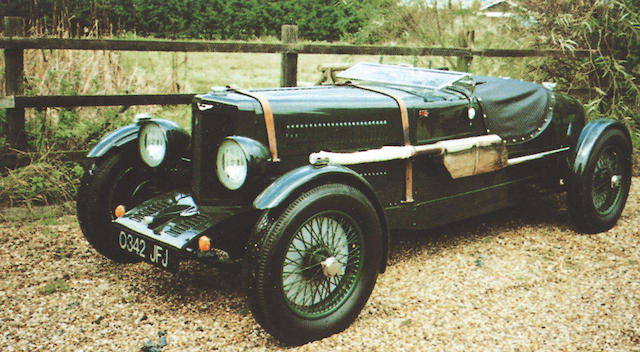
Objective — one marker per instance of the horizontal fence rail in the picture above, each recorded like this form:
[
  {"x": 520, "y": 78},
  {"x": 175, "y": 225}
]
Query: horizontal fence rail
[
  {"x": 14, "y": 45},
  {"x": 267, "y": 48},
  {"x": 66, "y": 101}
]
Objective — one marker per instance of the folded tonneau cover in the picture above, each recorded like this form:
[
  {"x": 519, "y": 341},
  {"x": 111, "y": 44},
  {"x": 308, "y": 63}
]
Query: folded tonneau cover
[{"x": 515, "y": 110}]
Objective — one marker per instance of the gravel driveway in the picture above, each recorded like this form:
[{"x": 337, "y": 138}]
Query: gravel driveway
[{"x": 518, "y": 280}]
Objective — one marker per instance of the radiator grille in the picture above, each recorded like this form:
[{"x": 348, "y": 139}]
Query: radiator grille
[{"x": 196, "y": 224}]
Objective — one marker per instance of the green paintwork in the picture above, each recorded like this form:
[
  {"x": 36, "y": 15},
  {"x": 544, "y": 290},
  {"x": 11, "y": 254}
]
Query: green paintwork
[
  {"x": 346, "y": 119},
  {"x": 587, "y": 140},
  {"x": 122, "y": 136}
]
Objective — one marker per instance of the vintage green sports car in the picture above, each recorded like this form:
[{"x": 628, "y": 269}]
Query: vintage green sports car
[{"x": 305, "y": 185}]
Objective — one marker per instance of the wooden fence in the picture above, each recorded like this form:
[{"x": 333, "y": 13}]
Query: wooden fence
[{"x": 14, "y": 45}]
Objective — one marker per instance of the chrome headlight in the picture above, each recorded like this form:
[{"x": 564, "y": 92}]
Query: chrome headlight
[
  {"x": 161, "y": 141},
  {"x": 239, "y": 160},
  {"x": 153, "y": 144}
]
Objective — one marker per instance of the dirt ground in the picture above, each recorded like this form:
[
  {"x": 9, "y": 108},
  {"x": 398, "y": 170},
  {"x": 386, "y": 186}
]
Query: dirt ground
[{"x": 517, "y": 280}]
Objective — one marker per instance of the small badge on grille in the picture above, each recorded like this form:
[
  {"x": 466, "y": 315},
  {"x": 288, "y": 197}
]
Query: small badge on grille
[{"x": 204, "y": 106}]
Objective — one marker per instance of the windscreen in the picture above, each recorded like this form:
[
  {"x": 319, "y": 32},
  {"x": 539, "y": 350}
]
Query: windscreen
[{"x": 403, "y": 76}]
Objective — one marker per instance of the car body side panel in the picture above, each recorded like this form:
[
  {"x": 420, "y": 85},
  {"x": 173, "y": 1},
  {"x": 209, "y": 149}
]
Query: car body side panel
[
  {"x": 441, "y": 199},
  {"x": 347, "y": 119},
  {"x": 444, "y": 200},
  {"x": 438, "y": 121}
]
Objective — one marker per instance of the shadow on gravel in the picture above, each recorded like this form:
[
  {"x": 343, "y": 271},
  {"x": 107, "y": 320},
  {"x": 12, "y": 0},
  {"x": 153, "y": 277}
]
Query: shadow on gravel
[
  {"x": 199, "y": 281},
  {"x": 539, "y": 210}
]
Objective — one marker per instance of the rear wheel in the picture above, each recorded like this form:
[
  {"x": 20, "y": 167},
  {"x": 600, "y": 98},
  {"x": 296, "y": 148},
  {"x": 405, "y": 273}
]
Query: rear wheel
[
  {"x": 115, "y": 180},
  {"x": 597, "y": 197},
  {"x": 309, "y": 271}
]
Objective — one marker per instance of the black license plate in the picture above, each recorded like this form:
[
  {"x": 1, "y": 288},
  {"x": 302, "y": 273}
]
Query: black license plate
[{"x": 148, "y": 250}]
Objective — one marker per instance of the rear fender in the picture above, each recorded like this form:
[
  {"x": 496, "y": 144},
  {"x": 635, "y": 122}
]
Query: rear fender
[
  {"x": 306, "y": 177},
  {"x": 587, "y": 140}
]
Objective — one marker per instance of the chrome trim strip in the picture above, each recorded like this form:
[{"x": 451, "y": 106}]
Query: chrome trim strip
[
  {"x": 537, "y": 156},
  {"x": 385, "y": 153}
]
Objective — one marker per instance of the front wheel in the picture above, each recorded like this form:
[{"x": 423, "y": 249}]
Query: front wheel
[
  {"x": 597, "y": 196},
  {"x": 309, "y": 271},
  {"x": 115, "y": 180}
]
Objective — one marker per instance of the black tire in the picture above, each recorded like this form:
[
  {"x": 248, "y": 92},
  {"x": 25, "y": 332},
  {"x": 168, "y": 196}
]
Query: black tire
[
  {"x": 329, "y": 224},
  {"x": 597, "y": 197},
  {"x": 115, "y": 180}
]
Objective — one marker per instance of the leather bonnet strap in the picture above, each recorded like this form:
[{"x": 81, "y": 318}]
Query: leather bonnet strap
[
  {"x": 268, "y": 120},
  {"x": 404, "y": 117}
]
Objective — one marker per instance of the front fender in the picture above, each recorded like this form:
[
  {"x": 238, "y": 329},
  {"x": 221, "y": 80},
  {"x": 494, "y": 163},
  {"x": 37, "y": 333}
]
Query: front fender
[
  {"x": 588, "y": 138},
  {"x": 295, "y": 179},
  {"x": 128, "y": 135},
  {"x": 305, "y": 176},
  {"x": 115, "y": 139}
]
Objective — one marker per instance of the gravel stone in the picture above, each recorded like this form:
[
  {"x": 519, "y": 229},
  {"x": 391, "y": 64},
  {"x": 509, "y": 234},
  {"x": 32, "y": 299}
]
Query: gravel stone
[{"x": 520, "y": 279}]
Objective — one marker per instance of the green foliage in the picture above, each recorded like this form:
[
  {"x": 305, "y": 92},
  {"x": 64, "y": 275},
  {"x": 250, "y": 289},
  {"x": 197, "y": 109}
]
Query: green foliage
[
  {"x": 3, "y": 135},
  {"x": 197, "y": 19},
  {"x": 57, "y": 285},
  {"x": 610, "y": 76},
  {"x": 41, "y": 182}
]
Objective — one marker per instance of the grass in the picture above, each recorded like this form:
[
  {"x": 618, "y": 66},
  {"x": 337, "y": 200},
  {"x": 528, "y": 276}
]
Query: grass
[
  {"x": 73, "y": 72},
  {"x": 57, "y": 285}
]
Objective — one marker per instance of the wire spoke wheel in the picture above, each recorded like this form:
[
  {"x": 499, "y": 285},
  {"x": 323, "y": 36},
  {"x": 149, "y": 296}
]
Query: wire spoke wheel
[
  {"x": 607, "y": 174},
  {"x": 116, "y": 180},
  {"x": 322, "y": 264},
  {"x": 600, "y": 181},
  {"x": 311, "y": 265}
]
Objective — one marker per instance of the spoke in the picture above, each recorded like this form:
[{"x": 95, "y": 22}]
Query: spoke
[
  {"x": 305, "y": 286},
  {"x": 305, "y": 294},
  {"x": 325, "y": 232},
  {"x": 337, "y": 230},
  {"x": 346, "y": 259},
  {"x": 299, "y": 245},
  {"x": 320, "y": 292},
  {"x": 294, "y": 261},
  {"x": 309, "y": 239},
  {"x": 602, "y": 186},
  {"x": 600, "y": 199},
  {"x": 325, "y": 289},
  {"x": 296, "y": 292},
  {"x": 315, "y": 230},
  {"x": 298, "y": 271}
]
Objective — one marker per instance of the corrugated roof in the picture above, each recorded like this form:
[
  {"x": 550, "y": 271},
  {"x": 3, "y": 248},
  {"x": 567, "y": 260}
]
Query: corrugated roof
[{"x": 493, "y": 3}]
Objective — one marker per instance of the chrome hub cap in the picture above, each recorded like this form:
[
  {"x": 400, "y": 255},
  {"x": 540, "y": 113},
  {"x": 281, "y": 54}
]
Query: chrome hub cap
[
  {"x": 615, "y": 181},
  {"x": 332, "y": 267}
]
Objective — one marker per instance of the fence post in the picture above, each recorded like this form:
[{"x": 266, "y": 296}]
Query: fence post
[
  {"x": 466, "y": 41},
  {"x": 14, "y": 83},
  {"x": 289, "y": 68}
]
